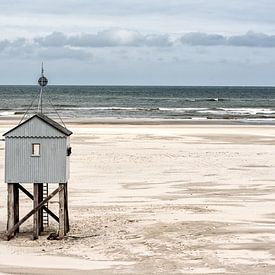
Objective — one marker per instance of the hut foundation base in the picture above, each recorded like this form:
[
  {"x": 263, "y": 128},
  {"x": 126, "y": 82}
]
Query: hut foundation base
[{"x": 39, "y": 204}]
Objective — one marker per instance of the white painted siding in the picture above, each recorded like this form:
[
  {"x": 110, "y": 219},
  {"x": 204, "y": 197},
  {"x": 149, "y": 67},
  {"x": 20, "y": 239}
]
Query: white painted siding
[{"x": 52, "y": 166}]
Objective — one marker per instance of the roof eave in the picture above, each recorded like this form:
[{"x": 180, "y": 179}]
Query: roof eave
[{"x": 66, "y": 131}]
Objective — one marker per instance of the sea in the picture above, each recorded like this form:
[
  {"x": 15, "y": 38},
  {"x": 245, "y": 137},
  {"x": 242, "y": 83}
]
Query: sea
[{"x": 142, "y": 102}]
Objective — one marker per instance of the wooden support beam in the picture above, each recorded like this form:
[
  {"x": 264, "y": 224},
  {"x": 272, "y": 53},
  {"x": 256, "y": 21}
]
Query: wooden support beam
[
  {"x": 10, "y": 202},
  {"x": 13, "y": 205},
  {"x": 39, "y": 206},
  {"x": 62, "y": 232},
  {"x": 16, "y": 204},
  {"x": 25, "y": 191},
  {"x": 36, "y": 214},
  {"x": 67, "y": 223},
  {"x": 40, "y": 211}
]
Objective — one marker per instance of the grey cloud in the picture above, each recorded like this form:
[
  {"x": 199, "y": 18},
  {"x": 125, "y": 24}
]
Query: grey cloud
[
  {"x": 158, "y": 40},
  {"x": 17, "y": 43},
  {"x": 4, "y": 44},
  {"x": 61, "y": 45},
  {"x": 250, "y": 39},
  {"x": 19, "y": 47},
  {"x": 132, "y": 38},
  {"x": 203, "y": 39},
  {"x": 106, "y": 38},
  {"x": 55, "y": 39},
  {"x": 28, "y": 49}
]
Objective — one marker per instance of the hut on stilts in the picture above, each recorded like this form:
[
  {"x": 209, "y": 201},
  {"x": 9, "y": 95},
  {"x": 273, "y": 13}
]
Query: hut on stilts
[{"x": 37, "y": 151}]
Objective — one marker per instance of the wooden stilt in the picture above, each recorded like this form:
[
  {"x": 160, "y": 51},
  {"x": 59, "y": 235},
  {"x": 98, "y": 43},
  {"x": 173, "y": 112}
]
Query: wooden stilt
[
  {"x": 16, "y": 204},
  {"x": 33, "y": 211},
  {"x": 67, "y": 223},
  {"x": 14, "y": 223},
  {"x": 10, "y": 201},
  {"x": 62, "y": 210},
  {"x": 36, "y": 214}
]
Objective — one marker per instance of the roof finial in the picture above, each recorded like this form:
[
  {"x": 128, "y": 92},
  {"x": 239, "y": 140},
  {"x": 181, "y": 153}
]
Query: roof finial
[
  {"x": 42, "y": 70},
  {"x": 42, "y": 81}
]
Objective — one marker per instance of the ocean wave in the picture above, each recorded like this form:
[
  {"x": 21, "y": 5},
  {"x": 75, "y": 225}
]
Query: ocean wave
[
  {"x": 65, "y": 105},
  {"x": 172, "y": 109},
  {"x": 200, "y": 110},
  {"x": 116, "y": 108},
  {"x": 156, "y": 112},
  {"x": 253, "y": 111},
  {"x": 7, "y": 113},
  {"x": 239, "y": 111},
  {"x": 206, "y": 99},
  {"x": 215, "y": 99}
]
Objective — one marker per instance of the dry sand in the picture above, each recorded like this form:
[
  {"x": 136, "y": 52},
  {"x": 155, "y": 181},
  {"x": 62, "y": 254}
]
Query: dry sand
[{"x": 157, "y": 199}]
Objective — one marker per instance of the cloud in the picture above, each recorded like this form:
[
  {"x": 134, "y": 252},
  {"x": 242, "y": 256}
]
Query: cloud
[
  {"x": 132, "y": 38},
  {"x": 250, "y": 39},
  {"x": 202, "y": 39},
  {"x": 60, "y": 45},
  {"x": 19, "y": 47},
  {"x": 55, "y": 39},
  {"x": 105, "y": 38},
  {"x": 4, "y": 44},
  {"x": 32, "y": 18},
  {"x": 108, "y": 38},
  {"x": 23, "y": 48}
]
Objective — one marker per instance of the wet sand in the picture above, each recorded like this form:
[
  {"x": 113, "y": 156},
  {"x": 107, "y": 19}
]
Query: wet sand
[{"x": 157, "y": 199}]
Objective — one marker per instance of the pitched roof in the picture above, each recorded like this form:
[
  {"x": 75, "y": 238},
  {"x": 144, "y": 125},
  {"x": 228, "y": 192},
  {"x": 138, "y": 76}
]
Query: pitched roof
[{"x": 47, "y": 120}]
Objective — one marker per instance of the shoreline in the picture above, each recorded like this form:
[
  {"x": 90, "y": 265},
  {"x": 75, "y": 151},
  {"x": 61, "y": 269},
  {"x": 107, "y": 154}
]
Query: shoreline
[{"x": 14, "y": 120}]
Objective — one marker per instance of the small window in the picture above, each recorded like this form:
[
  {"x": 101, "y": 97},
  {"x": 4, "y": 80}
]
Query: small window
[{"x": 35, "y": 149}]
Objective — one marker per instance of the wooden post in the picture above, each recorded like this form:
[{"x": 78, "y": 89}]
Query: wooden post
[
  {"x": 36, "y": 214},
  {"x": 13, "y": 206},
  {"x": 11, "y": 217},
  {"x": 67, "y": 223},
  {"x": 33, "y": 211},
  {"x": 16, "y": 204},
  {"x": 61, "y": 210}
]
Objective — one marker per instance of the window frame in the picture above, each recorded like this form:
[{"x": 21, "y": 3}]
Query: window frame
[{"x": 34, "y": 151}]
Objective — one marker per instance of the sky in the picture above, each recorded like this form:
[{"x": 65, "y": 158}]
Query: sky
[{"x": 138, "y": 42}]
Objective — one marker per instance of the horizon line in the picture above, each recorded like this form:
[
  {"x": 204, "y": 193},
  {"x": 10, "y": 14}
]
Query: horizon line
[{"x": 145, "y": 85}]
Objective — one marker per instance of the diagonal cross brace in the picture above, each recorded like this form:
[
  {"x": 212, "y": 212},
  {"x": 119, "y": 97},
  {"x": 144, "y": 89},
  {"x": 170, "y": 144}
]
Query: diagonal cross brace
[
  {"x": 43, "y": 207},
  {"x": 38, "y": 207}
]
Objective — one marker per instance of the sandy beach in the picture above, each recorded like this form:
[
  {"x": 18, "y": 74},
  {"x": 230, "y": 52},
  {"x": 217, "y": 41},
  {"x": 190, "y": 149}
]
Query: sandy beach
[{"x": 155, "y": 198}]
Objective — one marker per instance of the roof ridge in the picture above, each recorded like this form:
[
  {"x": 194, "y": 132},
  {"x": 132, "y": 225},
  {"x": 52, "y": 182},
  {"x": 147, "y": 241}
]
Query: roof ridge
[{"x": 47, "y": 120}]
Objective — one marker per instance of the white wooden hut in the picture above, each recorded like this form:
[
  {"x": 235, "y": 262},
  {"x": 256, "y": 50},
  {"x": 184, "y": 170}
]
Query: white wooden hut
[{"x": 37, "y": 151}]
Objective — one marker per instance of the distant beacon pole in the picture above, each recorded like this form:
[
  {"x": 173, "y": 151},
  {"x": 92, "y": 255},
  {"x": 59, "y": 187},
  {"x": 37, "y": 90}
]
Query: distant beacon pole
[{"x": 42, "y": 81}]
